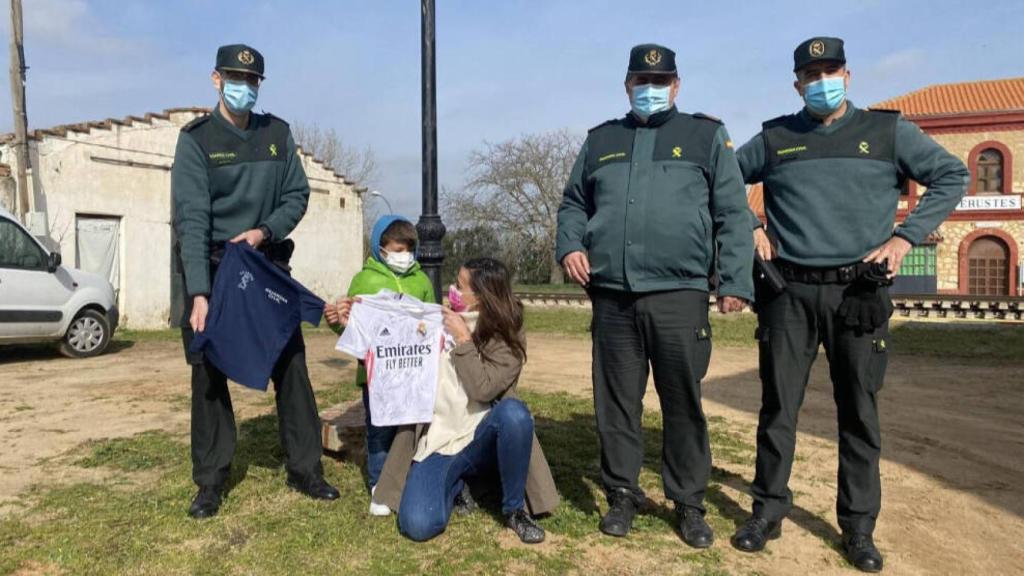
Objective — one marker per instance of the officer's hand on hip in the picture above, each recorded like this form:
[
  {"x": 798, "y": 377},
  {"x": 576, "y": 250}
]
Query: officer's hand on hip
[
  {"x": 895, "y": 250},
  {"x": 200, "y": 306},
  {"x": 763, "y": 244},
  {"x": 252, "y": 237},
  {"x": 577, "y": 266},
  {"x": 727, "y": 304}
]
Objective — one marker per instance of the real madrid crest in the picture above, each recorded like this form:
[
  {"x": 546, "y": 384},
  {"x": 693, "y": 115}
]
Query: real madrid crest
[
  {"x": 817, "y": 48},
  {"x": 653, "y": 58},
  {"x": 245, "y": 57}
]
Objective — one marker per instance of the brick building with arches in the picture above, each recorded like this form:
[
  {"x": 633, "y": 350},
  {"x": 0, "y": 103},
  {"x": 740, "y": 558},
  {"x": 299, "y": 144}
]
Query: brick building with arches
[{"x": 976, "y": 251}]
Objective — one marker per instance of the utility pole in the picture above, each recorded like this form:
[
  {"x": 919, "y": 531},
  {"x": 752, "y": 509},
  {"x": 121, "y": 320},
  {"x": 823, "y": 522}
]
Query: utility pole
[
  {"x": 430, "y": 228},
  {"x": 20, "y": 115}
]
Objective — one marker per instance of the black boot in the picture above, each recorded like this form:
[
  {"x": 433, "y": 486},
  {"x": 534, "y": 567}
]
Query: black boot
[
  {"x": 861, "y": 552},
  {"x": 693, "y": 528},
  {"x": 313, "y": 486},
  {"x": 755, "y": 533},
  {"x": 464, "y": 502},
  {"x": 619, "y": 519},
  {"x": 206, "y": 502},
  {"x": 525, "y": 527}
]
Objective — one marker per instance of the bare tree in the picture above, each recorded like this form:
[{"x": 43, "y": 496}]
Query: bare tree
[
  {"x": 357, "y": 165},
  {"x": 516, "y": 186}
]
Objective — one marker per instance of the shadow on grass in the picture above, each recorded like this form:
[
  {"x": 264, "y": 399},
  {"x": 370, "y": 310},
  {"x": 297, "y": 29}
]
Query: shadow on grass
[
  {"x": 259, "y": 445},
  {"x": 572, "y": 449}
]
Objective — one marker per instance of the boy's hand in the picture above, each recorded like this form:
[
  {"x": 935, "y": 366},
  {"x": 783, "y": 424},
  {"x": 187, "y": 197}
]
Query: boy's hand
[
  {"x": 345, "y": 308},
  {"x": 455, "y": 324},
  {"x": 338, "y": 313}
]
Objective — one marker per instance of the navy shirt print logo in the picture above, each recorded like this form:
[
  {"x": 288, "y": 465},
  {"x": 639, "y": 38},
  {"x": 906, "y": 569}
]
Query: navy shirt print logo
[
  {"x": 255, "y": 310},
  {"x": 246, "y": 279}
]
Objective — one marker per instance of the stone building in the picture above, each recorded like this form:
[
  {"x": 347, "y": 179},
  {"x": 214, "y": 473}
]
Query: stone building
[
  {"x": 976, "y": 251},
  {"x": 100, "y": 193}
]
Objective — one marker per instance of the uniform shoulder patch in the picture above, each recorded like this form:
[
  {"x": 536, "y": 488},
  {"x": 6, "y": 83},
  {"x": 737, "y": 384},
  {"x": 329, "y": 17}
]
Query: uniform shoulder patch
[
  {"x": 606, "y": 123},
  {"x": 195, "y": 123},
  {"x": 777, "y": 121},
  {"x": 275, "y": 118},
  {"x": 704, "y": 116}
]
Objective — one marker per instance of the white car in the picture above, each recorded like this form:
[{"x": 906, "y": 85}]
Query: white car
[{"x": 42, "y": 301}]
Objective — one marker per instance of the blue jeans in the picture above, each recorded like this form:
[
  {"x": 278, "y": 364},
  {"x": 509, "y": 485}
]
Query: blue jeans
[
  {"x": 378, "y": 442},
  {"x": 502, "y": 443}
]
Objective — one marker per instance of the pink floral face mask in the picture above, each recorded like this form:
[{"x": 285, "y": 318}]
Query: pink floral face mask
[{"x": 455, "y": 299}]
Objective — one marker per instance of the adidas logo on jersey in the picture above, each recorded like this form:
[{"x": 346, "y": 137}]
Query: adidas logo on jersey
[{"x": 385, "y": 332}]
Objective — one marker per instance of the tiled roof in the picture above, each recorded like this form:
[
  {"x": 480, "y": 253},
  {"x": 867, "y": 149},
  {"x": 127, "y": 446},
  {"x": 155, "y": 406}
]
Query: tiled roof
[
  {"x": 1006, "y": 95},
  {"x": 62, "y": 130}
]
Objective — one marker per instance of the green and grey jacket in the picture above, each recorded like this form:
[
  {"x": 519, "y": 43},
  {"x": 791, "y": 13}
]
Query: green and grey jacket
[
  {"x": 225, "y": 181},
  {"x": 831, "y": 192},
  {"x": 652, "y": 203}
]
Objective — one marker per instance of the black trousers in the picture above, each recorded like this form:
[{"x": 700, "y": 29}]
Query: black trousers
[
  {"x": 667, "y": 332},
  {"x": 791, "y": 326},
  {"x": 214, "y": 434}
]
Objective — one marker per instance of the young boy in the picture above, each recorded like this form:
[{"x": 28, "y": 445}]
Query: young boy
[{"x": 392, "y": 265}]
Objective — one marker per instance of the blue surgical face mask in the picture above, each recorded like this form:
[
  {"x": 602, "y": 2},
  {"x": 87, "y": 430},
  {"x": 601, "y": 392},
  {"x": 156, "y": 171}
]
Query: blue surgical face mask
[
  {"x": 826, "y": 95},
  {"x": 239, "y": 97},
  {"x": 649, "y": 99}
]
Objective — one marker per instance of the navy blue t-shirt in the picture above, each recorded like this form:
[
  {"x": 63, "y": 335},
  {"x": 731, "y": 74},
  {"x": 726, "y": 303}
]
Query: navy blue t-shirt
[{"x": 255, "y": 308}]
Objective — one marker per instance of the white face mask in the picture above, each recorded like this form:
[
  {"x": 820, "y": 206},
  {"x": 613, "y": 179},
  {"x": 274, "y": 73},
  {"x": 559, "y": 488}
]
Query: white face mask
[{"x": 399, "y": 262}]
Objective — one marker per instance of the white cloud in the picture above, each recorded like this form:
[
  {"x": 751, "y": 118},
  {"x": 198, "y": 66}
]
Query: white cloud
[
  {"x": 70, "y": 24},
  {"x": 899, "y": 63}
]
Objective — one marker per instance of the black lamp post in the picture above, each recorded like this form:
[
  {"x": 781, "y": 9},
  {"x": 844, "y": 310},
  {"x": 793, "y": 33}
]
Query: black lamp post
[{"x": 430, "y": 228}]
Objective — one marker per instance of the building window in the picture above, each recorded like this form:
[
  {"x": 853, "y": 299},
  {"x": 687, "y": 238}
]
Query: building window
[
  {"x": 988, "y": 267},
  {"x": 989, "y": 173},
  {"x": 920, "y": 261}
]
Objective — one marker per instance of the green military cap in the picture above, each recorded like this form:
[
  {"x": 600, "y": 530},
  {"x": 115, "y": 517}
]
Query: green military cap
[
  {"x": 240, "y": 58},
  {"x": 818, "y": 49},
  {"x": 651, "y": 59}
]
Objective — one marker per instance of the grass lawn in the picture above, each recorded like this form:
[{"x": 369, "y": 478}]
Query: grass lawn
[
  {"x": 962, "y": 341},
  {"x": 571, "y": 288},
  {"x": 134, "y": 522}
]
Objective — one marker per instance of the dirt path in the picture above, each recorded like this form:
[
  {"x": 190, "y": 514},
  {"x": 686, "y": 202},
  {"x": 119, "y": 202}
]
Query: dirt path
[{"x": 953, "y": 442}]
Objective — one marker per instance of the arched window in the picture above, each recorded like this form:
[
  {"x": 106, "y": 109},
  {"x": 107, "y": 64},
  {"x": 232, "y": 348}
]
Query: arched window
[
  {"x": 989, "y": 172},
  {"x": 988, "y": 267}
]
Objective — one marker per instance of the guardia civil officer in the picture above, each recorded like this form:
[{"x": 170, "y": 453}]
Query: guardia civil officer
[
  {"x": 832, "y": 177},
  {"x": 653, "y": 198},
  {"x": 237, "y": 178}
]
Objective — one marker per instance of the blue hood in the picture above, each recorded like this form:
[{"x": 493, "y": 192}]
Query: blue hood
[{"x": 378, "y": 230}]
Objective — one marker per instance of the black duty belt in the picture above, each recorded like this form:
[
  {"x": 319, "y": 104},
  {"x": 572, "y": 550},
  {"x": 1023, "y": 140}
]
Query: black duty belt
[{"x": 810, "y": 275}]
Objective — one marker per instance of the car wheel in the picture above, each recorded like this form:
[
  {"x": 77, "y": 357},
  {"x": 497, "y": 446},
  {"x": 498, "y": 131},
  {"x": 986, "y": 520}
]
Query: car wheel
[{"x": 88, "y": 335}]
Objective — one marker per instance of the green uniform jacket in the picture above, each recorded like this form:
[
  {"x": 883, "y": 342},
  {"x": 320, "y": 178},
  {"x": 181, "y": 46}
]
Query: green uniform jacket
[
  {"x": 225, "y": 181},
  {"x": 831, "y": 192},
  {"x": 651, "y": 203}
]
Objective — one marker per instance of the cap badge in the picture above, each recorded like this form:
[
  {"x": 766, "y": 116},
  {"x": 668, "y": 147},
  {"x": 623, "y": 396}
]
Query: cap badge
[
  {"x": 864, "y": 147},
  {"x": 245, "y": 57},
  {"x": 817, "y": 49},
  {"x": 653, "y": 58},
  {"x": 677, "y": 152}
]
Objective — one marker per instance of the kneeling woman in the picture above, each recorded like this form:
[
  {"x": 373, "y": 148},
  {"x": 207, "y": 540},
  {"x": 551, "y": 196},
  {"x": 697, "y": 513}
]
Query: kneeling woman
[{"x": 479, "y": 427}]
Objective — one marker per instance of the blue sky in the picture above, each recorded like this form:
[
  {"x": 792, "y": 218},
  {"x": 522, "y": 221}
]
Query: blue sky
[{"x": 504, "y": 68}]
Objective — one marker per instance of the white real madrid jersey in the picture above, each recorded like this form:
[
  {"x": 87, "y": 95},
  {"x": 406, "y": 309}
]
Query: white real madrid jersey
[{"x": 400, "y": 340}]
